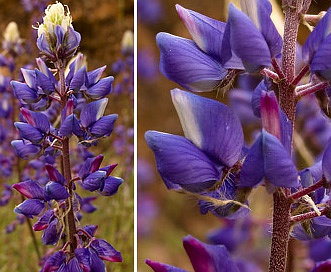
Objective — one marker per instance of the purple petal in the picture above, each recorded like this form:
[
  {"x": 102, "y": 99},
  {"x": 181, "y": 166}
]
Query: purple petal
[
  {"x": 73, "y": 266},
  {"x": 111, "y": 186},
  {"x": 279, "y": 167},
  {"x": 94, "y": 76},
  {"x": 183, "y": 62},
  {"x": 105, "y": 251},
  {"x": 44, "y": 82},
  {"x": 36, "y": 119},
  {"x": 30, "y": 207},
  {"x": 316, "y": 38},
  {"x": 83, "y": 258},
  {"x": 54, "y": 262},
  {"x": 268, "y": 158},
  {"x": 44, "y": 46},
  {"x": 104, "y": 126},
  {"x": 320, "y": 64},
  {"x": 259, "y": 12},
  {"x": 252, "y": 171},
  {"x": 29, "y": 78},
  {"x": 210, "y": 125},
  {"x": 78, "y": 79},
  {"x": 161, "y": 267},
  {"x": 93, "y": 111},
  {"x": 23, "y": 92},
  {"x": 71, "y": 125},
  {"x": 326, "y": 163},
  {"x": 91, "y": 165},
  {"x": 52, "y": 233},
  {"x": 180, "y": 162},
  {"x": 100, "y": 89},
  {"x": 246, "y": 41},
  {"x": 59, "y": 32},
  {"x": 25, "y": 151},
  {"x": 94, "y": 181},
  {"x": 208, "y": 258},
  {"x": 29, "y": 132},
  {"x": 91, "y": 229},
  {"x": 96, "y": 263},
  {"x": 206, "y": 32},
  {"x": 72, "y": 41},
  {"x": 56, "y": 191},
  {"x": 256, "y": 98},
  {"x": 30, "y": 189}
]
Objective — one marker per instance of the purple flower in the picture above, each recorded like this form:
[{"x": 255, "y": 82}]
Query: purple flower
[
  {"x": 316, "y": 49},
  {"x": 213, "y": 140},
  {"x": 105, "y": 251},
  {"x": 54, "y": 262},
  {"x": 203, "y": 257},
  {"x": 195, "y": 65},
  {"x": 251, "y": 35},
  {"x": 57, "y": 38}
]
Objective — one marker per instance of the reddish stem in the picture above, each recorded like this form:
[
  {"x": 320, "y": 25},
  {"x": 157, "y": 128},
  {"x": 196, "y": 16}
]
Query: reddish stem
[
  {"x": 66, "y": 165},
  {"x": 312, "y": 89},
  {"x": 301, "y": 74},
  {"x": 306, "y": 191},
  {"x": 308, "y": 215}
]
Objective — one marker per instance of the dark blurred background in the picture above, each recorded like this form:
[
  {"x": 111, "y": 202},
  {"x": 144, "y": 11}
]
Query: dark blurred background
[{"x": 164, "y": 217}]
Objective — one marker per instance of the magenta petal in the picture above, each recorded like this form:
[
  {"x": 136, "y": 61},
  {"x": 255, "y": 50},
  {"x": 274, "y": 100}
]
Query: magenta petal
[
  {"x": 270, "y": 113},
  {"x": 30, "y": 189},
  {"x": 54, "y": 262},
  {"x": 210, "y": 125},
  {"x": 208, "y": 258},
  {"x": 184, "y": 63},
  {"x": 54, "y": 174},
  {"x": 161, "y": 267},
  {"x": 106, "y": 251},
  {"x": 181, "y": 163},
  {"x": 43, "y": 221}
]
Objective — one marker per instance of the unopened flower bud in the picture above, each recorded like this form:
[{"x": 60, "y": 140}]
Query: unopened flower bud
[
  {"x": 12, "y": 41},
  {"x": 57, "y": 39}
]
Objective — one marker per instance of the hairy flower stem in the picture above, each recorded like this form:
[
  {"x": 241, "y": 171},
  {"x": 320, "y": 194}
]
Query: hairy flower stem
[
  {"x": 287, "y": 100},
  {"x": 66, "y": 165}
]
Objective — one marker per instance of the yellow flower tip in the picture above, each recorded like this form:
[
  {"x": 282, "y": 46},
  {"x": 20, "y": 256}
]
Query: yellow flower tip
[
  {"x": 12, "y": 34},
  {"x": 55, "y": 14}
]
